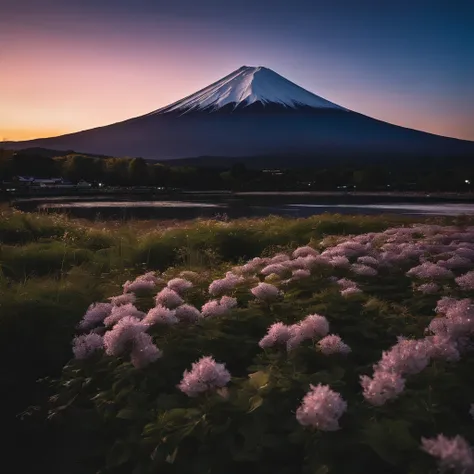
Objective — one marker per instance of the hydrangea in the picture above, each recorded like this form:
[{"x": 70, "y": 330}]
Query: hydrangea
[
  {"x": 452, "y": 453},
  {"x": 143, "y": 282},
  {"x": 120, "y": 312},
  {"x": 368, "y": 260},
  {"x": 428, "y": 288},
  {"x": 278, "y": 333},
  {"x": 300, "y": 274},
  {"x": 205, "y": 375},
  {"x": 180, "y": 285},
  {"x": 345, "y": 283},
  {"x": 85, "y": 345},
  {"x": 265, "y": 292},
  {"x": 382, "y": 387},
  {"x": 220, "y": 307},
  {"x": 304, "y": 252},
  {"x": 143, "y": 351},
  {"x": 122, "y": 335},
  {"x": 466, "y": 281},
  {"x": 350, "y": 291},
  {"x": 126, "y": 298},
  {"x": 160, "y": 315},
  {"x": 313, "y": 326},
  {"x": 95, "y": 314},
  {"x": 218, "y": 287},
  {"x": 443, "y": 347},
  {"x": 276, "y": 268},
  {"x": 187, "y": 312},
  {"x": 363, "y": 270},
  {"x": 321, "y": 408},
  {"x": 169, "y": 298},
  {"x": 429, "y": 270},
  {"x": 339, "y": 261},
  {"x": 333, "y": 344}
]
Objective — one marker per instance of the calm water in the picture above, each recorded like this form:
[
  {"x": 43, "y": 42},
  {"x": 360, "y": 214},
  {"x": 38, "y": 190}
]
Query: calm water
[{"x": 234, "y": 207}]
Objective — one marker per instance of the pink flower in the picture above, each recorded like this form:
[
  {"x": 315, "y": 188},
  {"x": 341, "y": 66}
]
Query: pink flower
[
  {"x": 253, "y": 266},
  {"x": 466, "y": 281},
  {"x": 180, "y": 285},
  {"x": 265, "y": 292},
  {"x": 321, "y": 408},
  {"x": 168, "y": 298},
  {"x": 276, "y": 268},
  {"x": 138, "y": 285},
  {"x": 187, "y": 312},
  {"x": 313, "y": 326},
  {"x": 218, "y": 287},
  {"x": 351, "y": 291},
  {"x": 339, "y": 261},
  {"x": 220, "y": 307},
  {"x": 363, "y": 270},
  {"x": 160, "y": 315},
  {"x": 278, "y": 333},
  {"x": 127, "y": 298},
  {"x": 122, "y": 335},
  {"x": 95, "y": 314},
  {"x": 332, "y": 344},
  {"x": 304, "y": 252},
  {"x": 368, "y": 260},
  {"x": 120, "y": 312},
  {"x": 299, "y": 274},
  {"x": 455, "y": 261},
  {"x": 430, "y": 270},
  {"x": 452, "y": 453},
  {"x": 84, "y": 346},
  {"x": 144, "y": 351},
  {"x": 205, "y": 375},
  {"x": 407, "y": 356},
  {"x": 345, "y": 284},
  {"x": 382, "y": 387},
  {"x": 279, "y": 258},
  {"x": 443, "y": 347}
]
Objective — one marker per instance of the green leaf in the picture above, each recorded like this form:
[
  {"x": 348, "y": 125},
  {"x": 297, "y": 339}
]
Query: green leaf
[
  {"x": 259, "y": 379},
  {"x": 126, "y": 414},
  {"x": 255, "y": 402}
]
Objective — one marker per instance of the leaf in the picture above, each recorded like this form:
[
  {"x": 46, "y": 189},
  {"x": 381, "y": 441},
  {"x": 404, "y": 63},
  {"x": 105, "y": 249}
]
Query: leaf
[
  {"x": 259, "y": 379},
  {"x": 255, "y": 402},
  {"x": 126, "y": 414},
  {"x": 171, "y": 457}
]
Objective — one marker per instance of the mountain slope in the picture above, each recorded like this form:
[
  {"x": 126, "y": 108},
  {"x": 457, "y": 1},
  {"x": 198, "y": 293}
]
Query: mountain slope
[{"x": 256, "y": 112}]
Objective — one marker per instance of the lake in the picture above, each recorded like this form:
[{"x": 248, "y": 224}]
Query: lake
[{"x": 244, "y": 205}]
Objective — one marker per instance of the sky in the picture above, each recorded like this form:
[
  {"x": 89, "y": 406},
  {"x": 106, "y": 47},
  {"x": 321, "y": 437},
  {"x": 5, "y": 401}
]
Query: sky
[{"x": 68, "y": 65}]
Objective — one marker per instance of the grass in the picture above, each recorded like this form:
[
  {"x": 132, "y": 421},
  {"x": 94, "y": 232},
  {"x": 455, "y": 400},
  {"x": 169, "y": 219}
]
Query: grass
[{"x": 52, "y": 267}]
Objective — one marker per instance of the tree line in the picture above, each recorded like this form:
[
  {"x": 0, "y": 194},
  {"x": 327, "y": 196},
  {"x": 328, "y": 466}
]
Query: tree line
[{"x": 421, "y": 175}]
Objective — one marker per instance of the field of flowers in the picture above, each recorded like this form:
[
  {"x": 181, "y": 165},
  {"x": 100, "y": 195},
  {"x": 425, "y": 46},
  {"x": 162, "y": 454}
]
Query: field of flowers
[{"x": 350, "y": 354}]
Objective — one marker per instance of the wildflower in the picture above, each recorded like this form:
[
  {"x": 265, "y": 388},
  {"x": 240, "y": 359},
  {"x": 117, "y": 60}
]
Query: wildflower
[
  {"x": 205, "y": 375},
  {"x": 265, "y": 292},
  {"x": 382, "y": 387},
  {"x": 179, "y": 285},
  {"x": 321, "y": 408},
  {"x": 278, "y": 333},
  {"x": 143, "y": 351},
  {"x": 120, "y": 312},
  {"x": 311, "y": 327},
  {"x": 123, "y": 333},
  {"x": 304, "y": 252},
  {"x": 187, "y": 312},
  {"x": 466, "y": 281},
  {"x": 299, "y": 274},
  {"x": 452, "y": 453},
  {"x": 95, "y": 314},
  {"x": 126, "y": 298},
  {"x": 169, "y": 298},
  {"x": 333, "y": 344},
  {"x": 84, "y": 346},
  {"x": 160, "y": 315},
  {"x": 363, "y": 270}
]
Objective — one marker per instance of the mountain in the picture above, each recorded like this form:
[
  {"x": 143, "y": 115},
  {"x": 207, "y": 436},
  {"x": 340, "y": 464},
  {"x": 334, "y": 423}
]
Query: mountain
[{"x": 257, "y": 116}]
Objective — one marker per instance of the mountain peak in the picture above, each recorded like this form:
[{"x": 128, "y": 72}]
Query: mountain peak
[{"x": 246, "y": 86}]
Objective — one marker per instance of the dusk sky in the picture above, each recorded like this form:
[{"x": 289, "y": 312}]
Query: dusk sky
[{"x": 71, "y": 65}]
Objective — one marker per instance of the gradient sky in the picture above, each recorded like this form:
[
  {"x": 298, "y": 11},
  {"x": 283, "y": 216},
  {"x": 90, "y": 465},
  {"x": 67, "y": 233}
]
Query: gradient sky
[{"x": 71, "y": 65}]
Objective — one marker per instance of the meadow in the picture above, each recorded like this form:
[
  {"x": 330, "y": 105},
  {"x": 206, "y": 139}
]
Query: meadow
[{"x": 265, "y": 345}]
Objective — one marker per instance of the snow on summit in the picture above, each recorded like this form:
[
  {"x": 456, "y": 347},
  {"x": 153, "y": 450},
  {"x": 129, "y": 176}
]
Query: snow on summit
[{"x": 246, "y": 86}]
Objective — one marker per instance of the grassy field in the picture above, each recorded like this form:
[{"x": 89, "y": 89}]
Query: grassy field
[{"x": 108, "y": 416}]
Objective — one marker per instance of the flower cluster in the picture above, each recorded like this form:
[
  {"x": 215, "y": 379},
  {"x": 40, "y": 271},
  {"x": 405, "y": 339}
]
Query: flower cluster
[
  {"x": 144, "y": 282},
  {"x": 214, "y": 308},
  {"x": 205, "y": 375},
  {"x": 333, "y": 344},
  {"x": 169, "y": 298},
  {"x": 321, "y": 408},
  {"x": 224, "y": 285},
  {"x": 179, "y": 285},
  {"x": 265, "y": 292},
  {"x": 452, "y": 453}
]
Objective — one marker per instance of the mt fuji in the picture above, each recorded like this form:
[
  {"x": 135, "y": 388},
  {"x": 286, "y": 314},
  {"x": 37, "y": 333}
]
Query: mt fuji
[{"x": 256, "y": 116}]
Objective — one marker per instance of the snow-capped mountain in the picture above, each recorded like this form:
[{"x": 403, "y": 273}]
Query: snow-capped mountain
[
  {"x": 247, "y": 86},
  {"x": 259, "y": 117}
]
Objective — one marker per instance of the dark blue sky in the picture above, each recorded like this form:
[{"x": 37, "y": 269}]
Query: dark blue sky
[{"x": 406, "y": 62}]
